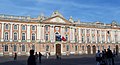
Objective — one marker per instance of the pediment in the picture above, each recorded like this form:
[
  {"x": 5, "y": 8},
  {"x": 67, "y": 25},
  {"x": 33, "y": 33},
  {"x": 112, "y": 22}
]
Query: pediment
[{"x": 56, "y": 19}]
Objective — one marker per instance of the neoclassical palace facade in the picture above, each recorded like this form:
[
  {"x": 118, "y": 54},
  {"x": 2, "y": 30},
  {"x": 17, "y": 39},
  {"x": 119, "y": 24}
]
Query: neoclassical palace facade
[{"x": 55, "y": 34}]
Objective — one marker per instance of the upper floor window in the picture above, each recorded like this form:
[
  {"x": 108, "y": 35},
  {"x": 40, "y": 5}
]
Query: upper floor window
[
  {"x": 15, "y": 27},
  {"x": 15, "y": 36},
  {"x": 82, "y": 39},
  {"x": 33, "y": 36},
  {"x": 76, "y": 47},
  {"x": 33, "y": 27},
  {"x": 88, "y": 31},
  {"x": 82, "y": 31},
  {"x": 108, "y": 32},
  {"x": 66, "y": 37},
  {"x": 66, "y": 29},
  {"x": 75, "y": 30},
  {"x": 23, "y": 27},
  {"x": 98, "y": 32},
  {"x": 46, "y": 28},
  {"x": 6, "y": 36},
  {"x": 7, "y": 26},
  {"x": 46, "y": 37},
  {"x": 23, "y": 36}
]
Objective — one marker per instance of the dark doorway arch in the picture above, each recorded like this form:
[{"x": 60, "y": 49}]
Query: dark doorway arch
[
  {"x": 117, "y": 49},
  {"x": 88, "y": 49},
  {"x": 94, "y": 49},
  {"x": 58, "y": 49}
]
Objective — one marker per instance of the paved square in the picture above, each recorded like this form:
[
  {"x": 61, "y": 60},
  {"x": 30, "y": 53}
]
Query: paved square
[{"x": 66, "y": 60}]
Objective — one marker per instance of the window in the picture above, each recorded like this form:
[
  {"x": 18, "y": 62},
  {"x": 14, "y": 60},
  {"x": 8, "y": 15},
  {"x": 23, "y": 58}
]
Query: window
[
  {"x": 23, "y": 47},
  {"x": 93, "y": 38},
  {"x": 98, "y": 38},
  {"x": 75, "y": 30},
  {"x": 15, "y": 48},
  {"x": 67, "y": 48},
  {"x": 98, "y": 31},
  {"x": 108, "y": 38},
  {"x": 7, "y": 26},
  {"x": 6, "y": 36},
  {"x": 88, "y": 40},
  {"x": 47, "y": 48},
  {"x": 82, "y": 31},
  {"x": 33, "y": 27},
  {"x": 82, "y": 39},
  {"x": 82, "y": 47},
  {"x": 66, "y": 37},
  {"x": 33, "y": 36},
  {"x": 33, "y": 47},
  {"x": 46, "y": 37},
  {"x": 108, "y": 32},
  {"x": 103, "y": 38},
  {"x": 23, "y": 27},
  {"x": 15, "y": 27},
  {"x": 15, "y": 36},
  {"x": 103, "y": 47},
  {"x": 76, "y": 47},
  {"x": 23, "y": 36},
  {"x": 66, "y": 29},
  {"x": 46, "y": 28},
  {"x": 75, "y": 38},
  {"x": 6, "y": 48},
  {"x": 98, "y": 47},
  {"x": 87, "y": 31}
]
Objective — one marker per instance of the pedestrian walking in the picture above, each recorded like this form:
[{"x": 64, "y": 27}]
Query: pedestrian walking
[
  {"x": 15, "y": 57},
  {"x": 47, "y": 55},
  {"x": 36, "y": 56},
  {"x": 109, "y": 57},
  {"x": 31, "y": 59},
  {"x": 98, "y": 57},
  {"x": 40, "y": 55}
]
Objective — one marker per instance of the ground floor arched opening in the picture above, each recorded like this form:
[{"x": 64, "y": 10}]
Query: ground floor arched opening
[
  {"x": 94, "y": 49},
  {"x": 58, "y": 49},
  {"x": 88, "y": 49}
]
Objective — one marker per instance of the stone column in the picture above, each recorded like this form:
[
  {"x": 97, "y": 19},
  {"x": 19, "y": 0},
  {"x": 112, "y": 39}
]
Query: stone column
[
  {"x": 96, "y": 35},
  {"x": 2, "y": 32},
  {"x": 105, "y": 36},
  {"x": 38, "y": 33},
  {"x": 28, "y": 33},
  {"x": 79, "y": 35},
  {"x": 19, "y": 39},
  {"x": 42, "y": 34},
  {"x": 73, "y": 35},
  {"x": 100, "y": 36},
  {"x": 91, "y": 35},
  {"x": 11, "y": 32},
  {"x": 86, "y": 36},
  {"x": 52, "y": 34}
]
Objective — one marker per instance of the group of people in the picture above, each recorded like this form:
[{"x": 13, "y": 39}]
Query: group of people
[
  {"x": 105, "y": 57},
  {"x": 32, "y": 59}
]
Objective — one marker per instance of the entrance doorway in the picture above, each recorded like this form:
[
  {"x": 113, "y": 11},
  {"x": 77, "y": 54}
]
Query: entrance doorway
[
  {"x": 58, "y": 49},
  {"x": 88, "y": 49},
  {"x": 94, "y": 49}
]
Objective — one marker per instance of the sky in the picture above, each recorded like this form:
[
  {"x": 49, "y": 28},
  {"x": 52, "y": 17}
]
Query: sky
[{"x": 85, "y": 10}]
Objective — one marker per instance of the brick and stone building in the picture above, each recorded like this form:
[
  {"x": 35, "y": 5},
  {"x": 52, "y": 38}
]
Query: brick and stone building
[{"x": 55, "y": 34}]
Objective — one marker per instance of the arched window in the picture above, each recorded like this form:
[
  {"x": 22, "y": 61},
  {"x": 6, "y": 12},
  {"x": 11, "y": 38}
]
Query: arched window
[
  {"x": 33, "y": 36},
  {"x": 23, "y": 36},
  {"x": 15, "y": 27},
  {"x": 67, "y": 48},
  {"x": 6, "y": 36},
  {"x": 15, "y": 36},
  {"x": 33, "y": 27},
  {"x": 23, "y": 47},
  {"x": 47, "y": 48},
  {"x": 15, "y": 48},
  {"x": 6, "y": 48},
  {"x": 23, "y": 27},
  {"x": 7, "y": 26}
]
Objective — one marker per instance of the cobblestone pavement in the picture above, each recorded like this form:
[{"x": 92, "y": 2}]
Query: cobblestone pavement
[{"x": 66, "y": 60}]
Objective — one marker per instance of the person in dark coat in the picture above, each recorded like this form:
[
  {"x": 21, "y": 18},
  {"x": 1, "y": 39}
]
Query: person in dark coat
[
  {"x": 31, "y": 59},
  {"x": 40, "y": 55},
  {"x": 15, "y": 57}
]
